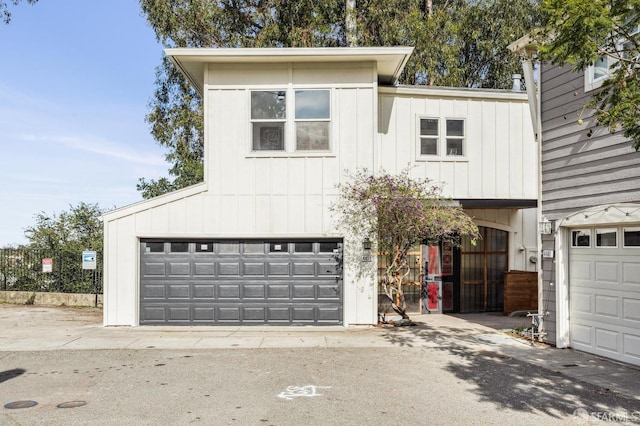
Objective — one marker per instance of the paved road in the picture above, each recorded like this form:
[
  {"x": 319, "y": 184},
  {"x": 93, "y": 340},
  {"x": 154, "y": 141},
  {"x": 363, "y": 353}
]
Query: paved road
[{"x": 437, "y": 373}]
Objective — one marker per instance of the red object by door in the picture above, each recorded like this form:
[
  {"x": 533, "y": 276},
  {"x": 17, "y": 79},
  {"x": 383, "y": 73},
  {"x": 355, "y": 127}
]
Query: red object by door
[{"x": 432, "y": 296}]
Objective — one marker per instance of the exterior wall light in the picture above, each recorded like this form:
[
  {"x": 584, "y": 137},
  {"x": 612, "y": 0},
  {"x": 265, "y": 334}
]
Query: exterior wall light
[
  {"x": 366, "y": 245},
  {"x": 544, "y": 226}
]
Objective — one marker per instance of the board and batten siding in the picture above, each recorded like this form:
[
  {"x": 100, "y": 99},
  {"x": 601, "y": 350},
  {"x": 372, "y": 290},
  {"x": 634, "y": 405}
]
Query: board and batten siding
[
  {"x": 285, "y": 192},
  {"x": 257, "y": 195},
  {"x": 500, "y": 160}
]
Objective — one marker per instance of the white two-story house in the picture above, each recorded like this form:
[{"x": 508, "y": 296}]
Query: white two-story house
[{"x": 256, "y": 243}]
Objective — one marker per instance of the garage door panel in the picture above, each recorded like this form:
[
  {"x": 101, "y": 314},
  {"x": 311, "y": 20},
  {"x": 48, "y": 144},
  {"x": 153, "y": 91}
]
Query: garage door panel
[
  {"x": 631, "y": 310},
  {"x": 254, "y": 314},
  {"x": 301, "y": 269},
  {"x": 229, "y": 291},
  {"x": 153, "y": 313},
  {"x": 329, "y": 314},
  {"x": 606, "y": 306},
  {"x": 229, "y": 269},
  {"x": 303, "y": 291},
  {"x": 179, "y": 291},
  {"x": 204, "y": 269},
  {"x": 154, "y": 269},
  {"x": 582, "y": 270},
  {"x": 278, "y": 314},
  {"x": 606, "y": 272},
  {"x": 253, "y": 291},
  {"x": 229, "y": 313},
  {"x": 278, "y": 269},
  {"x": 178, "y": 313},
  {"x": 153, "y": 291},
  {"x": 328, "y": 291},
  {"x": 204, "y": 291},
  {"x": 604, "y": 295},
  {"x": 631, "y": 273},
  {"x": 253, "y": 268},
  {"x": 607, "y": 340},
  {"x": 177, "y": 269},
  {"x": 303, "y": 314},
  {"x": 581, "y": 334},
  {"x": 204, "y": 314},
  {"x": 631, "y": 345},
  {"x": 236, "y": 282},
  {"x": 581, "y": 303}
]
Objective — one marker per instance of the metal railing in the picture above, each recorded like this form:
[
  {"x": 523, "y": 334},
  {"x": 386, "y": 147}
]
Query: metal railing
[{"x": 22, "y": 270}]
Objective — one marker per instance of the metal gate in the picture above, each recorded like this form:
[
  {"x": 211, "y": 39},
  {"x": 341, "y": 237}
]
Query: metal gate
[{"x": 227, "y": 282}]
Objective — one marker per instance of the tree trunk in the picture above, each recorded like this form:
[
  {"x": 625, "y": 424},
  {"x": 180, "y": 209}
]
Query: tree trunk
[{"x": 350, "y": 23}]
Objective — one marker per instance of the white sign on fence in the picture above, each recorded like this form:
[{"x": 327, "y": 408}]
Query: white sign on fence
[
  {"x": 89, "y": 259},
  {"x": 47, "y": 265}
]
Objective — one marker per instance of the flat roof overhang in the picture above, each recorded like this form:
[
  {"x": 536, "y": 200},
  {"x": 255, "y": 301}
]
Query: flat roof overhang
[{"x": 191, "y": 61}]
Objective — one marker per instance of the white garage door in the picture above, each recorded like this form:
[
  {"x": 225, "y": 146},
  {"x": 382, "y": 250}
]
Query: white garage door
[{"x": 604, "y": 292}]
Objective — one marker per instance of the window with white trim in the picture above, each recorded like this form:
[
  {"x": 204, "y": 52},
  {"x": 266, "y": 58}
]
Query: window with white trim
[
  {"x": 631, "y": 237},
  {"x": 441, "y": 137},
  {"x": 308, "y": 130},
  {"x": 607, "y": 237},
  {"x": 596, "y": 74},
  {"x": 581, "y": 238}
]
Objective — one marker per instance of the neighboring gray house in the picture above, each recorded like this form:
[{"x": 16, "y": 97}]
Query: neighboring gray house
[{"x": 590, "y": 192}]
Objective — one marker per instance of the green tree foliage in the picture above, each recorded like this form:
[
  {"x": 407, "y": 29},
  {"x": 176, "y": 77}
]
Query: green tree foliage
[
  {"x": 4, "y": 8},
  {"x": 578, "y": 32},
  {"x": 399, "y": 212},
  {"x": 61, "y": 237},
  {"x": 458, "y": 43},
  {"x": 77, "y": 229}
]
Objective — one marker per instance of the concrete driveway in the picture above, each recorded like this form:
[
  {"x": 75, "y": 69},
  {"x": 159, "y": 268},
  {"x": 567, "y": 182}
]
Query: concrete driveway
[{"x": 446, "y": 370}]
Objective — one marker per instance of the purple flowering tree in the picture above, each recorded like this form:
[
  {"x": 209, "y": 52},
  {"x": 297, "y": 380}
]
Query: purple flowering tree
[{"x": 397, "y": 212}]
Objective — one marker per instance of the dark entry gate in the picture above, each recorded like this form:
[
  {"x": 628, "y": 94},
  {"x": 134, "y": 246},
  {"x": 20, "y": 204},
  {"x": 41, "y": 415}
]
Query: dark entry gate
[{"x": 226, "y": 282}]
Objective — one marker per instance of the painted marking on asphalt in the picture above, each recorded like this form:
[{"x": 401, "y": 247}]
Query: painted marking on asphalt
[{"x": 305, "y": 391}]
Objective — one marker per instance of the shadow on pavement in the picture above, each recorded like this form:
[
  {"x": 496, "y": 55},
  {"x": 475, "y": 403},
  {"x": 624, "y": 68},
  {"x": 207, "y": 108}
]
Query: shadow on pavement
[
  {"x": 509, "y": 382},
  {"x": 11, "y": 374}
]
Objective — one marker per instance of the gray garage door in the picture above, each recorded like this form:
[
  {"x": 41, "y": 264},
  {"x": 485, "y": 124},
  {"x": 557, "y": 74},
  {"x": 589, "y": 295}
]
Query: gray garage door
[{"x": 240, "y": 282}]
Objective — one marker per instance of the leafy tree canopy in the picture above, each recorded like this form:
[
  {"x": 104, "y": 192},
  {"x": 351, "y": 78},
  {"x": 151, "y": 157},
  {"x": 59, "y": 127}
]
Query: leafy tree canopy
[
  {"x": 4, "y": 8},
  {"x": 457, "y": 43},
  {"x": 579, "y": 32},
  {"x": 398, "y": 212},
  {"x": 77, "y": 229}
]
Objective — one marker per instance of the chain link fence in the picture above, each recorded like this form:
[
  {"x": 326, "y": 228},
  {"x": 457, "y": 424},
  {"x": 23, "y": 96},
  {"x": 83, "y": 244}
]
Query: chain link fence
[{"x": 28, "y": 270}]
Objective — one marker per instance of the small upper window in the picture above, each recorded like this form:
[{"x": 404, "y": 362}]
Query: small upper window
[
  {"x": 154, "y": 247},
  {"x": 455, "y": 137},
  {"x": 179, "y": 247},
  {"x": 632, "y": 237},
  {"x": 581, "y": 238},
  {"x": 606, "y": 238},
  {"x": 429, "y": 136}
]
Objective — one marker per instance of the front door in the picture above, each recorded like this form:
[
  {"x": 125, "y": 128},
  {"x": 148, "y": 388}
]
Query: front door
[{"x": 482, "y": 271}]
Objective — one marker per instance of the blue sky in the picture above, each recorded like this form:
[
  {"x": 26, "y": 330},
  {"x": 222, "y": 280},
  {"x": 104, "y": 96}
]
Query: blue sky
[{"x": 75, "y": 81}]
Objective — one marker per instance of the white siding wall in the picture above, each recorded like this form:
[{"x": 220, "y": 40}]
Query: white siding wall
[
  {"x": 256, "y": 196},
  {"x": 501, "y": 153},
  {"x": 249, "y": 195}
]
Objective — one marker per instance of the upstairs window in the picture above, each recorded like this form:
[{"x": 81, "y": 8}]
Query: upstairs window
[
  {"x": 307, "y": 131},
  {"x": 444, "y": 138},
  {"x": 268, "y": 118},
  {"x": 596, "y": 74},
  {"x": 313, "y": 114}
]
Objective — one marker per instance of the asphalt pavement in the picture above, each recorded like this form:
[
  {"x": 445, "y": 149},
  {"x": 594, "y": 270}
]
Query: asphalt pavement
[{"x": 446, "y": 370}]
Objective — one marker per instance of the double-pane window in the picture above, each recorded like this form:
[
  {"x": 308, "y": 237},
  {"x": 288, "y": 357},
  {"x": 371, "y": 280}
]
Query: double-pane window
[
  {"x": 272, "y": 129},
  {"x": 451, "y": 144}
]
